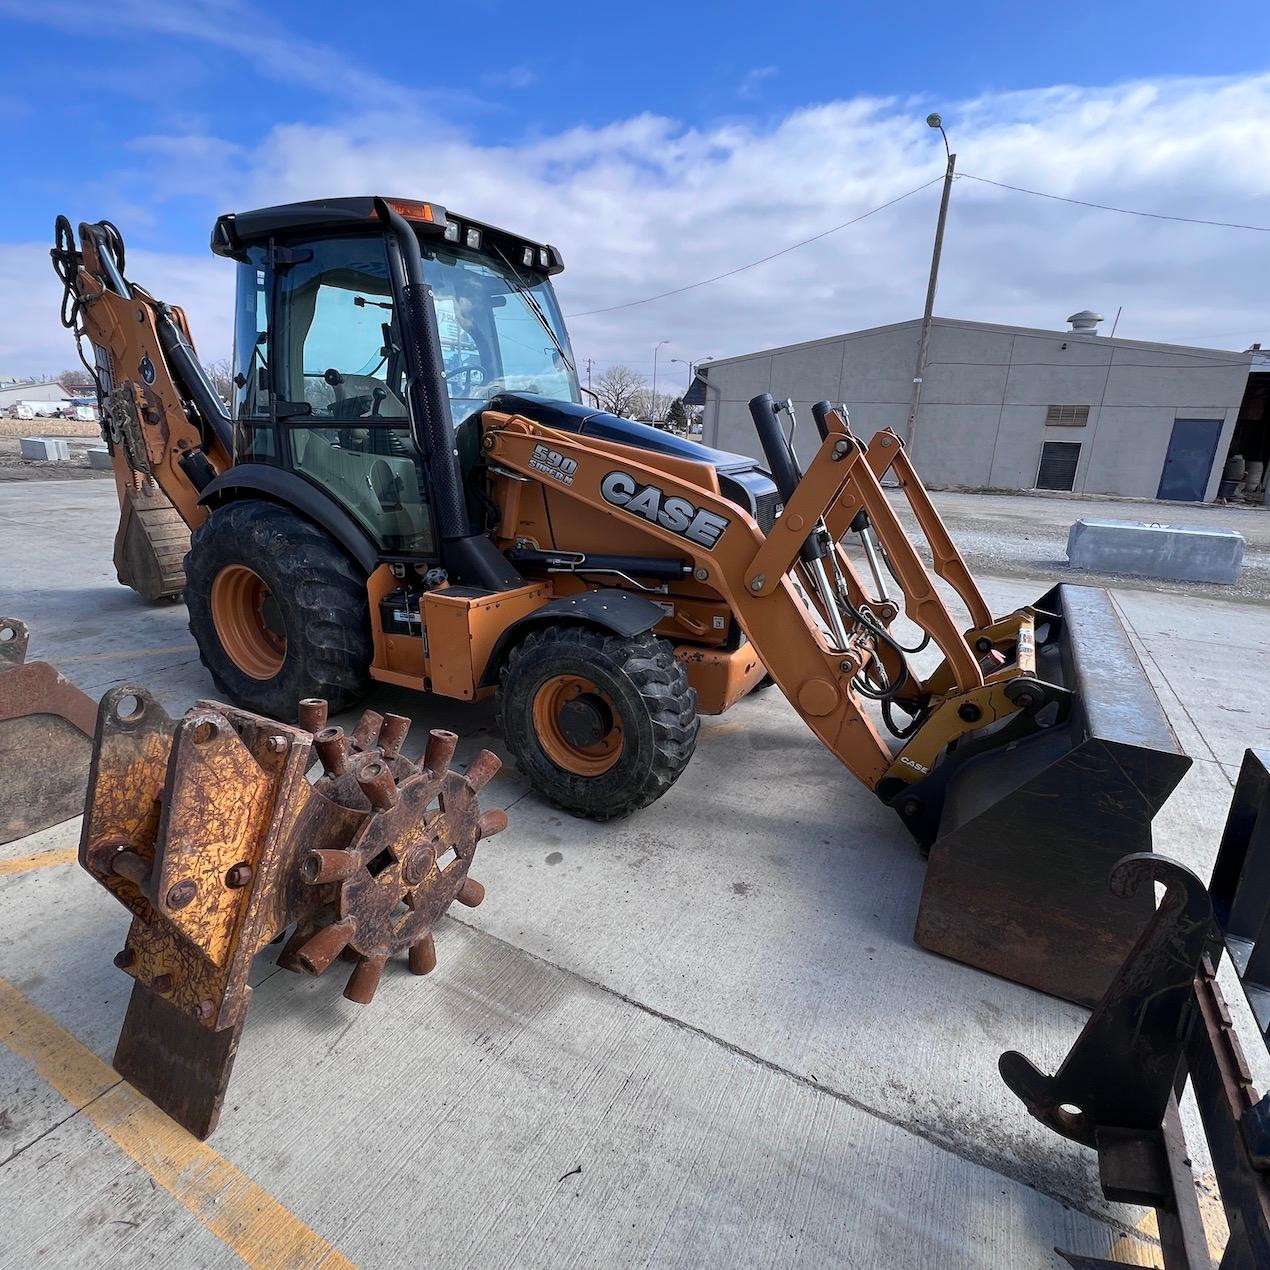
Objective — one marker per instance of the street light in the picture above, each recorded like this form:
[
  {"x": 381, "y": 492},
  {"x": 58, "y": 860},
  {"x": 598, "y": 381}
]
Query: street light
[
  {"x": 656, "y": 346},
  {"x": 692, "y": 365},
  {"x": 919, "y": 371}
]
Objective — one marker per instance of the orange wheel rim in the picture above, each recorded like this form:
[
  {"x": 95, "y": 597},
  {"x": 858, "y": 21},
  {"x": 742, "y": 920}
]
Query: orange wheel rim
[
  {"x": 240, "y": 604},
  {"x": 577, "y": 725}
]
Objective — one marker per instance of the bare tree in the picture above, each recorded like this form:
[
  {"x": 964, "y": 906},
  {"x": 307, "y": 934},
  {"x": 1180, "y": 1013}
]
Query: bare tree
[
  {"x": 221, "y": 373},
  {"x": 77, "y": 381},
  {"x": 621, "y": 390},
  {"x": 654, "y": 408}
]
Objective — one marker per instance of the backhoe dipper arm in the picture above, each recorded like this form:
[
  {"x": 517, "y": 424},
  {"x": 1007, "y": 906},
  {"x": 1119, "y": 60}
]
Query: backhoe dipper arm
[{"x": 161, "y": 417}]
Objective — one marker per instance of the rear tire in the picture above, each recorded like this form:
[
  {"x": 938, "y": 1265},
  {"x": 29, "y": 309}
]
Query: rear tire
[
  {"x": 561, "y": 686},
  {"x": 277, "y": 609}
]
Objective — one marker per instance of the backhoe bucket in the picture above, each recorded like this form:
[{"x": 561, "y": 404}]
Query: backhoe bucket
[
  {"x": 46, "y": 731},
  {"x": 1030, "y": 829},
  {"x": 150, "y": 544}
]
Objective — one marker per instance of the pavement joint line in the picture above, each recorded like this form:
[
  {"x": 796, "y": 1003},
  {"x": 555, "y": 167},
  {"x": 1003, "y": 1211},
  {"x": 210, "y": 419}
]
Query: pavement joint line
[
  {"x": 1177, "y": 696},
  {"x": 1075, "y": 1202},
  {"x": 39, "y": 860},
  {"x": 121, "y": 654},
  {"x": 253, "y": 1225}
]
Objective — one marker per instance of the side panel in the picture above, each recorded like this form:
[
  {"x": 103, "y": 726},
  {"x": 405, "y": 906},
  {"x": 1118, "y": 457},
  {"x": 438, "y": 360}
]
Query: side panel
[
  {"x": 720, "y": 678},
  {"x": 464, "y": 629}
]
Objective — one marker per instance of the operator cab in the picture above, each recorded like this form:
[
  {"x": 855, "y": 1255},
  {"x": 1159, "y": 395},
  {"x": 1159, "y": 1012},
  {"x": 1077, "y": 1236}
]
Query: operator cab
[{"x": 322, "y": 355}]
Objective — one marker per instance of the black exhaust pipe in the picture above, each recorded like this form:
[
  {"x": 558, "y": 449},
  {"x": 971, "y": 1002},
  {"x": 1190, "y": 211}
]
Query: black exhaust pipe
[
  {"x": 467, "y": 557},
  {"x": 783, "y": 465},
  {"x": 820, "y": 413}
]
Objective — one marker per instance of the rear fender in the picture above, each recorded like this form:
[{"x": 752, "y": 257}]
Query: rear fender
[{"x": 258, "y": 480}]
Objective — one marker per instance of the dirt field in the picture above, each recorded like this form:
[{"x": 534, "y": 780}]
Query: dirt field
[
  {"x": 48, "y": 428},
  {"x": 78, "y": 437}
]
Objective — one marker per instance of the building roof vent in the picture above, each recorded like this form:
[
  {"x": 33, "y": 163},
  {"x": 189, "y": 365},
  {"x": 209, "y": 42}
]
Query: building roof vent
[{"x": 1085, "y": 322}]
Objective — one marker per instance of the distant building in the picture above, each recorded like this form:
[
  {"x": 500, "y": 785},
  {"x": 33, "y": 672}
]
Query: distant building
[
  {"x": 1009, "y": 407},
  {"x": 14, "y": 390}
]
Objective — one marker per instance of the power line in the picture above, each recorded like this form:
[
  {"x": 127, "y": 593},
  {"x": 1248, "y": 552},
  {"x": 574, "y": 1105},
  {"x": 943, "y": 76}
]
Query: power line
[
  {"x": 1104, "y": 207},
  {"x": 855, "y": 220}
]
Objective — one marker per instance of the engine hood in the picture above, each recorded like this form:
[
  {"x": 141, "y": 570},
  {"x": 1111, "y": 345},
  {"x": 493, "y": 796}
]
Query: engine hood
[
  {"x": 568, "y": 416},
  {"x": 740, "y": 479}
]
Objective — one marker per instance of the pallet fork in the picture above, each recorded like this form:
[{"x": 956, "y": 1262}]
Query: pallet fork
[{"x": 1163, "y": 1024}]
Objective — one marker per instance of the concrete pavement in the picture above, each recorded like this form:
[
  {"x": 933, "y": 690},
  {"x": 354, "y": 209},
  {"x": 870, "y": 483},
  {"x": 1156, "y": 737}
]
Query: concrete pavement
[{"x": 714, "y": 1009}]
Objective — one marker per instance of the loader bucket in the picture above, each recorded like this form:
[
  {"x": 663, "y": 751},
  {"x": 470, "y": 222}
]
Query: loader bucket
[
  {"x": 1030, "y": 829},
  {"x": 46, "y": 730}
]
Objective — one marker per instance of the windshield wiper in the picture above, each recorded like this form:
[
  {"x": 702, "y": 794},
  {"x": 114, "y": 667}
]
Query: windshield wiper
[{"x": 532, "y": 301}]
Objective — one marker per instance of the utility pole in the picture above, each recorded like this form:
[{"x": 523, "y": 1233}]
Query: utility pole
[
  {"x": 588, "y": 374},
  {"x": 919, "y": 371}
]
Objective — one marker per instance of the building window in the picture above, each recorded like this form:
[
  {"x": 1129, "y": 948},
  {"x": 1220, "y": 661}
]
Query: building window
[
  {"x": 1058, "y": 465},
  {"x": 1066, "y": 416}
]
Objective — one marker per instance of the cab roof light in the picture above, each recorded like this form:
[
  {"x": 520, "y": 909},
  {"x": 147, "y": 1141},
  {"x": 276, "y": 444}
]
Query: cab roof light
[
  {"x": 527, "y": 257},
  {"x": 473, "y": 239},
  {"x": 544, "y": 257},
  {"x": 451, "y": 231},
  {"x": 411, "y": 210}
]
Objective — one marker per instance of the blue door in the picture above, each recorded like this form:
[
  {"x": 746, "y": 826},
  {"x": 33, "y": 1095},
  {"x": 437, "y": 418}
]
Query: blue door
[{"x": 1189, "y": 462}]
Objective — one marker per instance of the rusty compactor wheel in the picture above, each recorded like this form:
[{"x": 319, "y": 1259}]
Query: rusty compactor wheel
[
  {"x": 278, "y": 610},
  {"x": 360, "y": 864},
  {"x": 600, "y": 724},
  {"x": 248, "y": 622}
]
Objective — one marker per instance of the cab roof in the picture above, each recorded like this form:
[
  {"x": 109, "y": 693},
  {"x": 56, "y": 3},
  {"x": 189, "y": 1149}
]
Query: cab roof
[{"x": 236, "y": 230}]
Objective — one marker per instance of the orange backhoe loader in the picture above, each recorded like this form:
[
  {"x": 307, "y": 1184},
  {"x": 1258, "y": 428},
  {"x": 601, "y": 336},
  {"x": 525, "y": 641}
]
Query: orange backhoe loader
[{"x": 409, "y": 489}]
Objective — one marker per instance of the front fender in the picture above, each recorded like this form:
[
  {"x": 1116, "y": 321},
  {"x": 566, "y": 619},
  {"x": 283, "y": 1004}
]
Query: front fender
[{"x": 608, "y": 608}]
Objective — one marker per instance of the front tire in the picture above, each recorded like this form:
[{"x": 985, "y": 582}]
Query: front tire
[
  {"x": 278, "y": 611},
  {"x": 599, "y": 724}
]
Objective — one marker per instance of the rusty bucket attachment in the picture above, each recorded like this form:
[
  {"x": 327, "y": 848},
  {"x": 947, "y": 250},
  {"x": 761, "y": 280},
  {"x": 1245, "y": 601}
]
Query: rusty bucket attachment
[
  {"x": 151, "y": 543},
  {"x": 1032, "y": 819},
  {"x": 46, "y": 729},
  {"x": 208, "y": 831}
]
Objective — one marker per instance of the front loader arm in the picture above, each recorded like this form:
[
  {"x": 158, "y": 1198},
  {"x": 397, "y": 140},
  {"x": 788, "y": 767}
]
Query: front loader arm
[
  {"x": 777, "y": 597},
  {"x": 812, "y": 675}
]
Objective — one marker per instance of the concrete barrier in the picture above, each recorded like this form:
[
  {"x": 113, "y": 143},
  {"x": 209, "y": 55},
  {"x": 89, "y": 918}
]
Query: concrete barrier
[
  {"x": 45, "y": 449},
  {"x": 99, "y": 458},
  {"x": 1176, "y": 553}
]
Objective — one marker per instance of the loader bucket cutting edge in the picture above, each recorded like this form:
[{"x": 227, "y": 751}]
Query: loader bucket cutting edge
[
  {"x": 1029, "y": 831},
  {"x": 46, "y": 728}
]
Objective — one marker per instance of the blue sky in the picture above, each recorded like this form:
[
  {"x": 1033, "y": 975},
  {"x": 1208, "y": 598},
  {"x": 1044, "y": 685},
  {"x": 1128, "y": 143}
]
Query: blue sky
[{"x": 661, "y": 143}]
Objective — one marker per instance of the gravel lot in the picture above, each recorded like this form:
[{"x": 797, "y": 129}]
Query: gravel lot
[{"x": 1025, "y": 535}]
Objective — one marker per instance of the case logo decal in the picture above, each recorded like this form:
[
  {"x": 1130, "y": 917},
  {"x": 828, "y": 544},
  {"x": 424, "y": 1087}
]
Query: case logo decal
[{"x": 705, "y": 528}]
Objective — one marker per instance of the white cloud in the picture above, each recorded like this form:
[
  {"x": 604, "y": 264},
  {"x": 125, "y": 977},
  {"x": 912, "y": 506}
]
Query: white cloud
[
  {"x": 752, "y": 80},
  {"x": 645, "y": 204}
]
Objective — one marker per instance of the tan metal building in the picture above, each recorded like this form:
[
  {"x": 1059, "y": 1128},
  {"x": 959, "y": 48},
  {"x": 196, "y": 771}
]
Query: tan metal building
[{"x": 1008, "y": 407}]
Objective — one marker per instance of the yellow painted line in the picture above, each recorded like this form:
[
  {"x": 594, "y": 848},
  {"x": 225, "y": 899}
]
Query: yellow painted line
[
  {"x": 241, "y": 1214},
  {"x": 119, "y": 655},
  {"x": 40, "y": 860}
]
